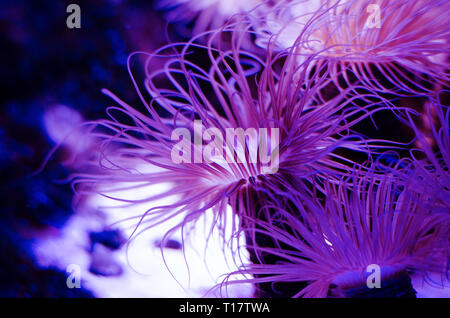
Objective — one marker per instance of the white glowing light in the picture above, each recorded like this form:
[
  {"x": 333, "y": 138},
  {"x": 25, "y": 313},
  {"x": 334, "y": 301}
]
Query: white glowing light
[{"x": 145, "y": 273}]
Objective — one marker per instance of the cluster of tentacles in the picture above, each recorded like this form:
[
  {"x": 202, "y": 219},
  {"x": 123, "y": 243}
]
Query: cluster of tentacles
[{"x": 337, "y": 198}]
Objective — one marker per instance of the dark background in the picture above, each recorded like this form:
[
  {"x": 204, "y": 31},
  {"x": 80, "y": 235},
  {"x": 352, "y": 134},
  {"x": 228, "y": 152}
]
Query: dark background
[{"x": 44, "y": 63}]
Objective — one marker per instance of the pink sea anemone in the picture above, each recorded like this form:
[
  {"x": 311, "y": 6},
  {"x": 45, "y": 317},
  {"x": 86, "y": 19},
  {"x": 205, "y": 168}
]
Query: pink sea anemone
[
  {"x": 236, "y": 90},
  {"x": 430, "y": 172},
  {"x": 208, "y": 14},
  {"x": 364, "y": 223},
  {"x": 395, "y": 46}
]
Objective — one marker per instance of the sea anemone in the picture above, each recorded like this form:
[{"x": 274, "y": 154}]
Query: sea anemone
[
  {"x": 429, "y": 172},
  {"x": 164, "y": 143},
  {"x": 207, "y": 14},
  {"x": 365, "y": 226},
  {"x": 395, "y": 46}
]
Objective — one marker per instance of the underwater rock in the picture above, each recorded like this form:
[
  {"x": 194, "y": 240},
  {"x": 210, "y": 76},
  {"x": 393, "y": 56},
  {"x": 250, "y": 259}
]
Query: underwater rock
[{"x": 103, "y": 262}]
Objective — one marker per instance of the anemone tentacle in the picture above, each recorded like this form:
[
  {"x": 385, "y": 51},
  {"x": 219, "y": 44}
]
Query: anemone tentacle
[
  {"x": 363, "y": 220},
  {"x": 406, "y": 53},
  {"x": 429, "y": 171},
  {"x": 237, "y": 90}
]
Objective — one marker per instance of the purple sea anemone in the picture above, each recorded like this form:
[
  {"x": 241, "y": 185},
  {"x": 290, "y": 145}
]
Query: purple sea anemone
[
  {"x": 389, "y": 45},
  {"x": 361, "y": 240},
  {"x": 177, "y": 137},
  {"x": 208, "y": 14},
  {"x": 429, "y": 173}
]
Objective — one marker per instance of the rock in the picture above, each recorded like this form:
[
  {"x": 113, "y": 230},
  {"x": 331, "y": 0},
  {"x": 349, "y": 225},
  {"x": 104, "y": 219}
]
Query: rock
[
  {"x": 103, "y": 263},
  {"x": 112, "y": 239},
  {"x": 172, "y": 244}
]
